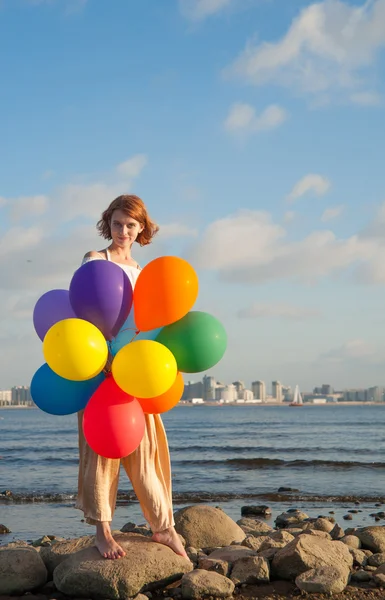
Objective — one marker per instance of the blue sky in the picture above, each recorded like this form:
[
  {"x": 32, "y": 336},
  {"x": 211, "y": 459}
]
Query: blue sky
[{"x": 253, "y": 129}]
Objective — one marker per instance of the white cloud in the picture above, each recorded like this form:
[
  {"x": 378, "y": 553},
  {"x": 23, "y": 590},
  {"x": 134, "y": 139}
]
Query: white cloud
[
  {"x": 332, "y": 213},
  {"x": 242, "y": 118},
  {"x": 18, "y": 239},
  {"x": 311, "y": 183},
  {"x": 197, "y": 10},
  {"x": 366, "y": 98},
  {"x": 283, "y": 311},
  {"x": 352, "y": 350},
  {"x": 289, "y": 216},
  {"x": 133, "y": 166},
  {"x": 27, "y": 206},
  {"x": 330, "y": 47},
  {"x": 248, "y": 247}
]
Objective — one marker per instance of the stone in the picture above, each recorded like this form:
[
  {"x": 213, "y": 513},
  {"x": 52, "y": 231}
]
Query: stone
[
  {"x": 323, "y": 580},
  {"x": 232, "y": 553},
  {"x": 54, "y": 555},
  {"x": 255, "y": 511},
  {"x": 254, "y": 527},
  {"x": 322, "y": 524},
  {"x": 361, "y": 576},
  {"x": 337, "y": 532},
  {"x": 132, "y": 528},
  {"x": 379, "y": 579},
  {"x": 21, "y": 570},
  {"x": 376, "y": 560},
  {"x": 359, "y": 558},
  {"x": 347, "y": 517},
  {"x": 316, "y": 533},
  {"x": 147, "y": 565},
  {"x": 4, "y": 529},
  {"x": 201, "y": 584},
  {"x": 250, "y": 570},
  {"x": 192, "y": 553},
  {"x": 352, "y": 541},
  {"x": 43, "y": 541},
  {"x": 372, "y": 538},
  {"x": 288, "y": 519},
  {"x": 214, "y": 564},
  {"x": 283, "y": 489},
  {"x": 308, "y": 552},
  {"x": 204, "y": 526},
  {"x": 268, "y": 553},
  {"x": 278, "y": 539},
  {"x": 254, "y": 543}
]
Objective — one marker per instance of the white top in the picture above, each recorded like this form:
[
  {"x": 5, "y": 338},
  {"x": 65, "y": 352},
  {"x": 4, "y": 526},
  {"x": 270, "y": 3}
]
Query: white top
[{"x": 131, "y": 271}]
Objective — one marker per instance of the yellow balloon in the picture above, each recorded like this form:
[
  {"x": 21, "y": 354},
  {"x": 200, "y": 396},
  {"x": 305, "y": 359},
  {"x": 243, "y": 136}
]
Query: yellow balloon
[
  {"x": 75, "y": 349},
  {"x": 144, "y": 369}
]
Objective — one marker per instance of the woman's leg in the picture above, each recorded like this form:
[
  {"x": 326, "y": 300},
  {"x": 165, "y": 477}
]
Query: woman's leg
[
  {"x": 97, "y": 490},
  {"x": 149, "y": 470}
]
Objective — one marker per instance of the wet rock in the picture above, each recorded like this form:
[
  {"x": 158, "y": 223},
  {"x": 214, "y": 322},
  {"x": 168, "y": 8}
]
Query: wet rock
[
  {"x": 255, "y": 511},
  {"x": 4, "y": 529},
  {"x": 289, "y": 518},
  {"x": 21, "y": 570},
  {"x": 372, "y": 538},
  {"x": 307, "y": 552},
  {"x": 147, "y": 565},
  {"x": 254, "y": 526},
  {"x": 323, "y": 580},
  {"x": 347, "y": 517},
  {"x": 250, "y": 570},
  {"x": 203, "y": 526},
  {"x": 283, "y": 489},
  {"x": 201, "y": 584}
]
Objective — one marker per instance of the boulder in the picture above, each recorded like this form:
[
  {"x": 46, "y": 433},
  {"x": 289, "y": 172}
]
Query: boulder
[
  {"x": 323, "y": 580},
  {"x": 146, "y": 565},
  {"x": 308, "y": 552},
  {"x": 214, "y": 564},
  {"x": 372, "y": 538},
  {"x": 255, "y": 511},
  {"x": 204, "y": 526},
  {"x": 254, "y": 527},
  {"x": 250, "y": 570},
  {"x": 4, "y": 529},
  {"x": 316, "y": 533},
  {"x": 290, "y": 518},
  {"x": 278, "y": 539},
  {"x": 254, "y": 543},
  {"x": 232, "y": 553},
  {"x": 361, "y": 576},
  {"x": 352, "y": 541},
  {"x": 200, "y": 584},
  {"x": 376, "y": 560},
  {"x": 359, "y": 558},
  {"x": 54, "y": 555},
  {"x": 337, "y": 532},
  {"x": 21, "y": 570},
  {"x": 322, "y": 524}
]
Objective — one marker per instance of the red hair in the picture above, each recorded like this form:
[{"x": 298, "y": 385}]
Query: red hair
[{"x": 133, "y": 207}]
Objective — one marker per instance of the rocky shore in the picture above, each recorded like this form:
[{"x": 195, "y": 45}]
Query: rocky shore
[{"x": 244, "y": 559}]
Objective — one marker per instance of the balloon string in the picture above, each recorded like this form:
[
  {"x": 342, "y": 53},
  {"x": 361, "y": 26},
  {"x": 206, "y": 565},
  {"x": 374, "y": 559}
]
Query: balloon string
[{"x": 137, "y": 332}]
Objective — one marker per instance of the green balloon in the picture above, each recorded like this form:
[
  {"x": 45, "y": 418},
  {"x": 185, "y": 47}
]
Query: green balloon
[{"x": 198, "y": 341}]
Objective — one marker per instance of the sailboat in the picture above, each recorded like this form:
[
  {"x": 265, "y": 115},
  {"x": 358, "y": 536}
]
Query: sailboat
[{"x": 297, "y": 401}]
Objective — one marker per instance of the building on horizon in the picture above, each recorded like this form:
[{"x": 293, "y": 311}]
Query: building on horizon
[
  {"x": 259, "y": 390},
  {"x": 276, "y": 391},
  {"x": 21, "y": 396},
  {"x": 5, "y": 397},
  {"x": 193, "y": 390},
  {"x": 239, "y": 386},
  {"x": 209, "y": 387}
]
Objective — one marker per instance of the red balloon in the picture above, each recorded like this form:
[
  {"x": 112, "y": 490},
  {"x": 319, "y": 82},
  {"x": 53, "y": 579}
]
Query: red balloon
[{"x": 113, "y": 421}]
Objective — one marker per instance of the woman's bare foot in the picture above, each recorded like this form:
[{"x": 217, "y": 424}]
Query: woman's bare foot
[
  {"x": 170, "y": 538},
  {"x": 106, "y": 544}
]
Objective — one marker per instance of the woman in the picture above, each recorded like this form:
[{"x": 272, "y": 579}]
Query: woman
[{"x": 124, "y": 222}]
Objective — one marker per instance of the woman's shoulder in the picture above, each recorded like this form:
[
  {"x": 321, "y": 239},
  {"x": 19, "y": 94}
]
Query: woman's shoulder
[{"x": 95, "y": 254}]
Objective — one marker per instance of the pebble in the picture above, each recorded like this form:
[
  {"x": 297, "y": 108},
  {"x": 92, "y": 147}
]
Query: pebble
[{"x": 347, "y": 517}]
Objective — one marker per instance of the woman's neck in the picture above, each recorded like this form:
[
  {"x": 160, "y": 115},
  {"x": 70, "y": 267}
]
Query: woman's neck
[{"x": 121, "y": 253}]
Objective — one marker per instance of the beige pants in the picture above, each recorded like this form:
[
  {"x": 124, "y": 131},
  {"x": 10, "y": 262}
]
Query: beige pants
[{"x": 148, "y": 468}]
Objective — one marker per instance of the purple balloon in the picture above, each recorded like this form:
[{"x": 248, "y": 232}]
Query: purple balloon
[
  {"x": 52, "y": 307},
  {"x": 101, "y": 293}
]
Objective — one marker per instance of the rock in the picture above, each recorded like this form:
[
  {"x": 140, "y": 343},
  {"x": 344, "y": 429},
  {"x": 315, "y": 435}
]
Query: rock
[
  {"x": 146, "y": 564},
  {"x": 268, "y": 553},
  {"x": 322, "y": 524},
  {"x": 372, "y": 538},
  {"x": 347, "y": 517},
  {"x": 254, "y": 527},
  {"x": 192, "y": 553},
  {"x": 141, "y": 597},
  {"x": 43, "y": 541},
  {"x": 323, "y": 580},
  {"x": 251, "y": 569},
  {"x": 200, "y": 584},
  {"x": 295, "y": 531},
  {"x": 214, "y": 564},
  {"x": 254, "y": 543},
  {"x": 359, "y": 558},
  {"x": 290, "y": 518},
  {"x": 307, "y": 552},
  {"x": 316, "y": 533},
  {"x": 132, "y": 528},
  {"x": 283, "y": 489},
  {"x": 361, "y": 576},
  {"x": 255, "y": 511},
  {"x": 16, "y": 544},
  {"x": 54, "y": 555},
  {"x": 350, "y": 531},
  {"x": 203, "y": 526},
  {"x": 278, "y": 539},
  {"x": 4, "y": 529},
  {"x": 337, "y": 532},
  {"x": 21, "y": 570},
  {"x": 352, "y": 541},
  {"x": 376, "y": 560},
  {"x": 232, "y": 553},
  {"x": 379, "y": 579}
]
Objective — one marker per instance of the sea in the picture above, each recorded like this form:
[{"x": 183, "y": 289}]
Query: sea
[{"x": 328, "y": 459}]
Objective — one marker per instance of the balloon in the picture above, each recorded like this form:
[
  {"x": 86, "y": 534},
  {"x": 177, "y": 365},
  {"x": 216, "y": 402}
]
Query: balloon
[
  {"x": 101, "y": 292},
  {"x": 165, "y": 291},
  {"x": 51, "y": 307},
  {"x": 144, "y": 369},
  {"x": 198, "y": 341},
  {"x": 166, "y": 401},
  {"x": 130, "y": 333},
  {"x": 75, "y": 349},
  {"x": 113, "y": 421},
  {"x": 58, "y": 396}
]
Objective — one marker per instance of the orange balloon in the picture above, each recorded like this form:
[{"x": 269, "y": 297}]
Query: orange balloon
[
  {"x": 166, "y": 401},
  {"x": 165, "y": 291}
]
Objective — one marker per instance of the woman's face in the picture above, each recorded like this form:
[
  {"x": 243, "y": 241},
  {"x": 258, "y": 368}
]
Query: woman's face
[{"x": 124, "y": 229}]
